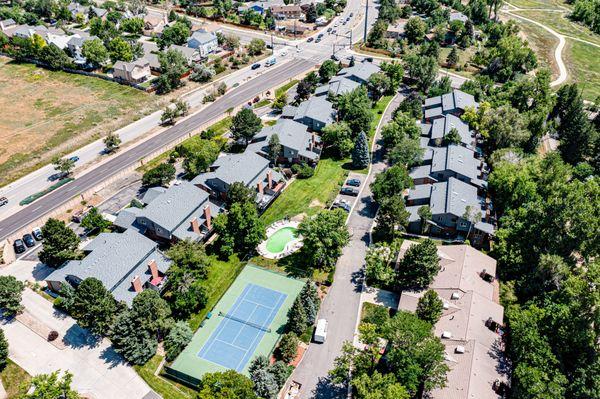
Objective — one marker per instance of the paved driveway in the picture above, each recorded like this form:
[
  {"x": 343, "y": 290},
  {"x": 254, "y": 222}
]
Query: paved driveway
[
  {"x": 341, "y": 305},
  {"x": 98, "y": 371}
]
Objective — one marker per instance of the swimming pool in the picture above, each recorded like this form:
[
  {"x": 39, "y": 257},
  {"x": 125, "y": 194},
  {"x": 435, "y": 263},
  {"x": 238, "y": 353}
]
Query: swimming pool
[{"x": 277, "y": 242}]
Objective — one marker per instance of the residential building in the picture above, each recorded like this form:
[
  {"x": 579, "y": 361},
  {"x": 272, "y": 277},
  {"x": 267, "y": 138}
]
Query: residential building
[
  {"x": 297, "y": 144},
  {"x": 77, "y": 9},
  {"x": 349, "y": 79},
  {"x": 7, "y": 24},
  {"x": 440, "y": 127},
  {"x": 287, "y": 12},
  {"x": 316, "y": 113},
  {"x": 205, "y": 42},
  {"x": 126, "y": 264},
  {"x": 471, "y": 323},
  {"x": 396, "y": 31},
  {"x": 60, "y": 41},
  {"x": 455, "y": 103},
  {"x": 154, "y": 24},
  {"x": 458, "y": 16},
  {"x": 292, "y": 26},
  {"x": 192, "y": 55},
  {"x": 151, "y": 54},
  {"x": 452, "y": 161},
  {"x": 75, "y": 46},
  {"x": 248, "y": 168},
  {"x": 448, "y": 201},
  {"x": 259, "y": 7},
  {"x": 182, "y": 211},
  {"x": 137, "y": 71},
  {"x": 99, "y": 12}
]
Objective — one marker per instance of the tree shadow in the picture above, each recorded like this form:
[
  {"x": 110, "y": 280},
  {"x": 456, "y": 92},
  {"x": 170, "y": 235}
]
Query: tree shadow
[
  {"x": 112, "y": 358},
  {"x": 59, "y": 314},
  {"x": 496, "y": 352},
  {"x": 326, "y": 389},
  {"x": 358, "y": 279},
  {"x": 78, "y": 338},
  {"x": 41, "y": 271}
]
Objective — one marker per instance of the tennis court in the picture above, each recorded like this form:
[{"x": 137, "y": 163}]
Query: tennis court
[
  {"x": 240, "y": 330},
  {"x": 246, "y": 322}
]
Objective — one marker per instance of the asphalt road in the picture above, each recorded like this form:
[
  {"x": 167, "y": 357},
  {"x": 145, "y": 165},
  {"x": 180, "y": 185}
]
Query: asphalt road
[
  {"x": 14, "y": 223},
  {"x": 341, "y": 305}
]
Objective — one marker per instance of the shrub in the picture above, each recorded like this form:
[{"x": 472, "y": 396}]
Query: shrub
[
  {"x": 303, "y": 170},
  {"x": 52, "y": 335}
]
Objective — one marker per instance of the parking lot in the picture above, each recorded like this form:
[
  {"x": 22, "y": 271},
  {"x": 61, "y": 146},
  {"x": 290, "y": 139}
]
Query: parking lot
[{"x": 347, "y": 201}]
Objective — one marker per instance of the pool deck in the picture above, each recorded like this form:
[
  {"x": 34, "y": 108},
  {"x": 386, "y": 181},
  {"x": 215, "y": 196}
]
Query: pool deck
[{"x": 291, "y": 247}]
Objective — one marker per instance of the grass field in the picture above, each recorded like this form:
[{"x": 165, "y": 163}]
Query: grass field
[
  {"x": 46, "y": 112},
  {"x": 552, "y": 4},
  {"x": 560, "y": 23},
  {"x": 584, "y": 68},
  {"x": 308, "y": 195},
  {"x": 165, "y": 387},
  {"x": 543, "y": 43},
  {"x": 15, "y": 380}
]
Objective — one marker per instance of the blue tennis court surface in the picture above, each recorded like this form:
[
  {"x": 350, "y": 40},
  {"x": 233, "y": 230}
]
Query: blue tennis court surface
[{"x": 233, "y": 343}]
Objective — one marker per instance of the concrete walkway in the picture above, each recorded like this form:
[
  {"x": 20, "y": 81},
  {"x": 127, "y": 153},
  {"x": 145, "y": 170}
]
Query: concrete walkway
[
  {"x": 3, "y": 394},
  {"x": 380, "y": 297},
  {"x": 99, "y": 372}
]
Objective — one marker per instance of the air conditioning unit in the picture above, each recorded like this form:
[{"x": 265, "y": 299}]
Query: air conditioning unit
[
  {"x": 455, "y": 296},
  {"x": 459, "y": 349},
  {"x": 446, "y": 335},
  {"x": 446, "y": 305}
]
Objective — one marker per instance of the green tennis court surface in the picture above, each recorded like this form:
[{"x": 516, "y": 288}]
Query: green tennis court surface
[{"x": 247, "y": 321}]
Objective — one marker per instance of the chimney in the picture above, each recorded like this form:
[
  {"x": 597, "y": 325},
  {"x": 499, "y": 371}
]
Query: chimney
[
  {"x": 136, "y": 284},
  {"x": 314, "y": 140},
  {"x": 195, "y": 225},
  {"x": 269, "y": 179},
  {"x": 208, "y": 217},
  {"x": 153, "y": 268},
  {"x": 259, "y": 187}
]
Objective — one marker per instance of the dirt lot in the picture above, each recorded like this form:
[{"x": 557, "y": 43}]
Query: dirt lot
[{"x": 45, "y": 112}]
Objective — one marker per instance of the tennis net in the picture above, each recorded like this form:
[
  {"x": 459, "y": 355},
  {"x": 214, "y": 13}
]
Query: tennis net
[{"x": 258, "y": 326}]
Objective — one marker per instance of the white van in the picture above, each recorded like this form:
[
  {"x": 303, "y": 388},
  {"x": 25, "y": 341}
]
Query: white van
[{"x": 320, "y": 331}]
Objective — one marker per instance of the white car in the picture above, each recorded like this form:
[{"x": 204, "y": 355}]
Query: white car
[
  {"x": 283, "y": 54},
  {"x": 321, "y": 331}
]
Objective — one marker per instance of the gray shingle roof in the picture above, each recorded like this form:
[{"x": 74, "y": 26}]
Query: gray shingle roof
[
  {"x": 455, "y": 158},
  {"x": 360, "y": 72},
  {"x": 126, "y": 218},
  {"x": 419, "y": 192},
  {"x": 337, "y": 86},
  {"x": 317, "y": 108},
  {"x": 203, "y": 37},
  {"x": 176, "y": 205},
  {"x": 151, "y": 194},
  {"x": 458, "y": 99},
  {"x": 442, "y": 126},
  {"x": 232, "y": 168},
  {"x": 130, "y": 66},
  {"x": 115, "y": 258},
  {"x": 292, "y": 134},
  {"x": 453, "y": 197}
]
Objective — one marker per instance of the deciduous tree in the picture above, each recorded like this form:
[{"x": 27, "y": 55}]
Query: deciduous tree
[
  {"x": 93, "y": 306},
  {"x": 160, "y": 175},
  {"x": 419, "y": 266},
  {"x": 226, "y": 385},
  {"x": 60, "y": 243},
  {"x": 430, "y": 307},
  {"x": 324, "y": 237},
  {"x": 245, "y": 125}
]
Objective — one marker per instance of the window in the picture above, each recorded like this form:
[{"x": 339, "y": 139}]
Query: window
[
  {"x": 463, "y": 224},
  {"x": 454, "y": 220}
]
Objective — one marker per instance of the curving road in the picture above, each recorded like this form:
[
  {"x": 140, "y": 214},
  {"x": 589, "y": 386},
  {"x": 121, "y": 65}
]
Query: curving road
[{"x": 23, "y": 218}]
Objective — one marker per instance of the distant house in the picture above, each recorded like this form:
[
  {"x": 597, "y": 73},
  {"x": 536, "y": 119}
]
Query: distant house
[
  {"x": 248, "y": 168},
  {"x": 470, "y": 324},
  {"x": 349, "y": 79},
  {"x": 60, "y": 41},
  {"x": 440, "y": 127},
  {"x": 99, "y": 12},
  {"x": 448, "y": 201},
  {"x": 150, "y": 53},
  {"x": 316, "y": 113},
  {"x": 258, "y": 7},
  {"x": 182, "y": 211},
  {"x": 287, "y": 12},
  {"x": 192, "y": 55},
  {"x": 458, "y": 16},
  {"x": 137, "y": 71},
  {"x": 455, "y": 103},
  {"x": 7, "y": 24},
  {"x": 396, "y": 31},
  {"x": 75, "y": 47},
  {"x": 452, "y": 161},
  {"x": 154, "y": 24},
  {"x": 297, "y": 144},
  {"x": 77, "y": 9},
  {"x": 205, "y": 42},
  {"x": 126, "y": 264}
]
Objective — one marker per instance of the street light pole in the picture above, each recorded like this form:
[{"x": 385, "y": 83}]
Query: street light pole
[{"x": 366, "y": 22}]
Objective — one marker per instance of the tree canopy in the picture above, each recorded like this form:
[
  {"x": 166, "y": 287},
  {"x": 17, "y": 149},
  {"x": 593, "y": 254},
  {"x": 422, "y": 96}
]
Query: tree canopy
[{"x": 324, "y": 236}]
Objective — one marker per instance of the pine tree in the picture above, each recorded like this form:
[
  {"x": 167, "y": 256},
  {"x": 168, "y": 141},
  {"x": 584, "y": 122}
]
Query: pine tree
[
  {"x": 297, "y": 319},
  {"x": 311, "y": 302},
  {"x": 177, "y": 339},
  {"x": 452, "y": 58},
  {"x": 360, "y": 154}
]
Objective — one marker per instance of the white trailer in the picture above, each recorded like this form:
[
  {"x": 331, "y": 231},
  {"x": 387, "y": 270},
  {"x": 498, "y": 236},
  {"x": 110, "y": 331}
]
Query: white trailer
[{"x": 320, "y": 331}]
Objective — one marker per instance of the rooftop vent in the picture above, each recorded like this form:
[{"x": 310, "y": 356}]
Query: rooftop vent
[
  {"x": 446, "y": 335},
  {"x": 460, "y": 349},
  {"x": 455, "y": 296},
  {"x": 446, "y": 305}
]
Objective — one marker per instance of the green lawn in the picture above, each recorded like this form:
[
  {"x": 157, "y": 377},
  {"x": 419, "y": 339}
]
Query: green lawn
[
  {"x": 15, "y": 380},
  {"x": 560, "y": 23},
  {"x": 220, "y": 276},
  {"x": 285, "y": 87},
  {"x": 583, "y": 66},
  {"x": 543, "y": 43},
  {"x": 551, "y": 4},
  {"x": 165, "y": 387},
  {"x": 308, "y": 195}
]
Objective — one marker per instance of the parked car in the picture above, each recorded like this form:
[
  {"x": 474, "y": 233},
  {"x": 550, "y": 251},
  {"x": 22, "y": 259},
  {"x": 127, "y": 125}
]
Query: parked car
[
  {"x": 19, "y": 246},
  {"x": 255, "y": 66},
  {"x": 321, "y": 331},
  {"x": 342, "y": 205},
  {"x": 74, "y": 158},
  {"x": 320, "y": 36},
  {"x": 57, "y": 176},
  {"x": 334, "y": 57},
  {"x": 37, "y": 234},
  {"x": 28, "y": 240},
  {"x": 3, "y": 201},
  {"x": 349, "y": 191},
  {"x": 318, "y": 40},
  {"x": 353, "y": 182},
  {"x": 329, "y": 29},
  {"x": 310, "y": 39},
  {"x": 351, "y": 14}
]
